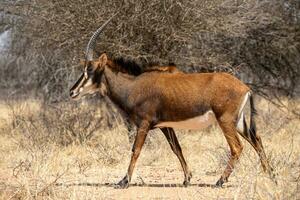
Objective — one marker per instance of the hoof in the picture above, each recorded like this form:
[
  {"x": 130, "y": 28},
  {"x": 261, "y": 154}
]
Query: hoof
[
  {"x": 271, "y": 173},
  {"x": 220, "y": 182},
  {"x": 186, "y": 183},
  {"x": 123, "y": 184},
  {"x": 187, "y": 180},
  {"x": 273, "y": 177}
]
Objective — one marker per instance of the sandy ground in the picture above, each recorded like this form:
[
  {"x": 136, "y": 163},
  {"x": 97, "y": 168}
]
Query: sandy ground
[
  {"x": 148, "y": 183},
  {"x": 89, "y": 171},
  {"x": 158, "y": 183}
]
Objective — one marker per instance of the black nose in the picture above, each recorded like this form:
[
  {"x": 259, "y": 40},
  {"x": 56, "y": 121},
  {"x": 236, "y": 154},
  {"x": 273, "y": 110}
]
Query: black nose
[{"x": 71, "y": 93}]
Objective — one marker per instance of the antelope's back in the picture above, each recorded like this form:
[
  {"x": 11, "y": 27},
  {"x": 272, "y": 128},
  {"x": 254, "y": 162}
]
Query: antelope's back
[
  {"x": 191, "y": 94},
  {"x": 206, "y": 84}
]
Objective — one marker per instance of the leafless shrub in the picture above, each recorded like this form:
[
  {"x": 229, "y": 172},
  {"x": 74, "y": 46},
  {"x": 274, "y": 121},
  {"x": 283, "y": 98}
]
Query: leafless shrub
[
  {"x": 256, "y": 38},
  {"x": 62, "y": 124}
]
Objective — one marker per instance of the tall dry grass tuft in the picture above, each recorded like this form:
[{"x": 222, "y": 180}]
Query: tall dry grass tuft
[{"x": 43, "y": 157}]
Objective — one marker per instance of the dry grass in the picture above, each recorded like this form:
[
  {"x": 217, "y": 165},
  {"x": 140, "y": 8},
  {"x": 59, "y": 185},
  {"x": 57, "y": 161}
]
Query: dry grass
[
  {"x": 56, "y": 150},
  {"x": 36, "y": 164}
]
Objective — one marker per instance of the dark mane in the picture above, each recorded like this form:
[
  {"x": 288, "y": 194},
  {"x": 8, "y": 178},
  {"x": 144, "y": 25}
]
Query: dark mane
[
  {"x": 128, "y": 66},
  {"x": 132, "y": 67}
]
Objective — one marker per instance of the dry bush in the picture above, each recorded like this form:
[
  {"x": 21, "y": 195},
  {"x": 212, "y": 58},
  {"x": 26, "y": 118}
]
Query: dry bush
[
  {"x": 63, "y": 124},
  {"x": 256, "y": 39}
]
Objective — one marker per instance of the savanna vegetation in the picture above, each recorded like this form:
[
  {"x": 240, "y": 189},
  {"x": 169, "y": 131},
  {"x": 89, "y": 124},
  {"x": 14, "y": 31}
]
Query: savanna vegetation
[{"x": 54, "y": 148}]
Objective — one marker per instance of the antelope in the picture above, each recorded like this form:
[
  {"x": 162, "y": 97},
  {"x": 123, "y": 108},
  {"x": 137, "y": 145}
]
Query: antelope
[{"x": 167, "y": 98}]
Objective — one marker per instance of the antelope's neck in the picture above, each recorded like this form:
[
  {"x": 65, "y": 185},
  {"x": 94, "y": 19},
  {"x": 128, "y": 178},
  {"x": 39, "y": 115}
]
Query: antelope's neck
[{"x": 118, "y": 87}]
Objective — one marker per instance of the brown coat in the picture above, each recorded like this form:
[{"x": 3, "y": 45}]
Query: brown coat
[{"x": 164, "y": 97}]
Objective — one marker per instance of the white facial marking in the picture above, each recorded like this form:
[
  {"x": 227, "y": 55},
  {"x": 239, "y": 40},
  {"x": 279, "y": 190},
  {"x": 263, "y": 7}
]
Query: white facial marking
[
  {"x": 102, "y": 89},
  {"x": 195, "y": 123},
  {"x": 88, "y": 83}
]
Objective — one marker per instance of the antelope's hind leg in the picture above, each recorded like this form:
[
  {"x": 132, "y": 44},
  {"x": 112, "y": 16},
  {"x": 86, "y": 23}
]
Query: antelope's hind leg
[
  {"x": 175, "y": 146},
  {"x": 236, "y": 149}
]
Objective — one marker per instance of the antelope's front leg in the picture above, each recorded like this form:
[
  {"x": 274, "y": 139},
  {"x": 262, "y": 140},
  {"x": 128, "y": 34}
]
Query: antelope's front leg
[{"x": 137, "y": 147}]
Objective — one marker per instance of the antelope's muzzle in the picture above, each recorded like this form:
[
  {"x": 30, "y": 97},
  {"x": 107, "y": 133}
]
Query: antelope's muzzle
[{"x": 75, "y": 90}]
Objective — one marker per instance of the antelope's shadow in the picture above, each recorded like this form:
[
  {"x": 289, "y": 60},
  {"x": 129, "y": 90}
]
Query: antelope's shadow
[{"x": 158, "y": 185}]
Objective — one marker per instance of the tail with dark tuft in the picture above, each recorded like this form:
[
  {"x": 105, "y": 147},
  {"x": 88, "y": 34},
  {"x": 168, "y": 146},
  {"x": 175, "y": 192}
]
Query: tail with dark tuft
[
  {"x": 252, "y": 128},
  {"x": 248, "y": 131}
]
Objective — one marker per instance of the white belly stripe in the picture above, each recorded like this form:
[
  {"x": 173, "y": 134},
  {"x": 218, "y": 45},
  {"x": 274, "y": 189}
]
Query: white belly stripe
[{"x": 195, "y": 123}]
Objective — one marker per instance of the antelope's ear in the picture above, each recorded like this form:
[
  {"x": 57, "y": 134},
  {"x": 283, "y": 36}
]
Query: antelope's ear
[{"x": 102, "y": 60}]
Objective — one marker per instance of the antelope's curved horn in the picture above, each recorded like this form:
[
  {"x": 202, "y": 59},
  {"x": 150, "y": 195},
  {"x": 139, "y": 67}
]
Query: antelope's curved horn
[{"x": 91, "y": 45}]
